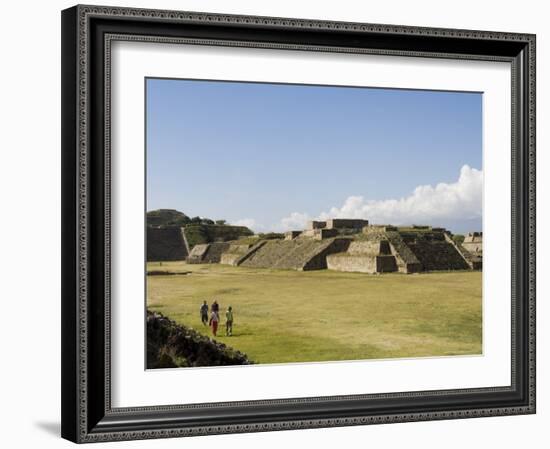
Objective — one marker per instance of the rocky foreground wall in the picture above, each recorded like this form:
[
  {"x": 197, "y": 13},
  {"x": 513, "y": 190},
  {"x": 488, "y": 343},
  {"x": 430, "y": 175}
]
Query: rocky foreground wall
[{"x": 170, "y": 345}]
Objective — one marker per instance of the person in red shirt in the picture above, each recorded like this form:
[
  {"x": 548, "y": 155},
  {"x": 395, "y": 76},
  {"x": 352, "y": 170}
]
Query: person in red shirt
[{"x": 214, "y": 320}]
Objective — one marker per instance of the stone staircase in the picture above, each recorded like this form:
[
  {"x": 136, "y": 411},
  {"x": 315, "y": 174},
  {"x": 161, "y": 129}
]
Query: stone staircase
[
  {"x": 406, "y": 261},
  {"x": 474, "y": 261},
  {"x": 435, "y": 253},
  {"x": 297, "y": 254},
  {"x": 214, "y": 252}
]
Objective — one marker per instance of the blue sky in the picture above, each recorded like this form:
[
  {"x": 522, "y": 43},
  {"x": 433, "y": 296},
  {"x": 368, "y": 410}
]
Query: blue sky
[{"x": 272, "y": 155}]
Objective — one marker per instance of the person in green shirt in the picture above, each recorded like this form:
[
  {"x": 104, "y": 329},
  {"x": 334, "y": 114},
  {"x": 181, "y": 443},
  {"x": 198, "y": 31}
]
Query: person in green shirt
[{"x": 229, "y": 321}]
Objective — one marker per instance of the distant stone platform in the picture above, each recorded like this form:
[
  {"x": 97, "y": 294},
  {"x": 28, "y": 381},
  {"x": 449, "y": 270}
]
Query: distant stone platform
[
  {"x": 340, "y": 244},
  {"x": 171, "y": 243},
  {"x": 166, "y": 244}
]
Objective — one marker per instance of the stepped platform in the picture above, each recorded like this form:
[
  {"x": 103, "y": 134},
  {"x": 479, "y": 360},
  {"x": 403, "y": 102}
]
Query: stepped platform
[
  {"x": 434, "y": 251},
  {"x": 165, "y": 244},
  {"x": 364, "y": 257},
  {"x": 237, "y": 253},
  {"x": 298, "y": 254},
  {"x": 207, "y": 252}
]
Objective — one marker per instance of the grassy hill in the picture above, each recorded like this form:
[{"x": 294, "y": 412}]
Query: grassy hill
[{"x": 167, "y": 217}]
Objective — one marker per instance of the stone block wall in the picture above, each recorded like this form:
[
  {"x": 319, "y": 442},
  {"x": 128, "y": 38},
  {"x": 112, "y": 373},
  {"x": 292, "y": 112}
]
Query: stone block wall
[
  {"x": 473, "y": 259},
  {"x": 370, "y": 256},
  {"x": 386, "y": 264},
  {"x": 197, "y": 253},
  {"x": 434, "y": 252},
  {"x": 404, "y": 257},
  {"x": 238, "y": 253},
  {"x": 238, "y": 249},
  {"x": 214, "y": 252},
  {"x": 165, "y": 244},
  {"x": 291, "y": 235},
  {"x": 473, "y": 242},
  {"x": 346, "y": 223},
  {"x": 208, "y": 252},
  {"x": 316, "y": 225},
  {"x": 352, "y": 263},
  {"x": 317, "y": 258},
  {"x": 297, "y": 254},
  {"x": 318, "y": 234}
]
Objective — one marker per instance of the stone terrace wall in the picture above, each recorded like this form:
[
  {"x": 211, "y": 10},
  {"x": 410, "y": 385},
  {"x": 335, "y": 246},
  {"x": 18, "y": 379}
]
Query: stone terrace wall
[
  {"x": 473, "y": 259},
  {"x": 197, "y": 253},
  {"x": 351, "y": 263},
  {"x": 370, "y": 256},
  {"x": 473, "y": 243},
  {"x": 208, "y": 252},
  {"x": 234, "y": 253},
  {"x": 405, "y": 260},
  {"x": 268, "y": 255},
  {"x": 316, "y": 258},
  {"x": 298, "y": 254},
  {"x": 434, "y": 252},
  {"x": 346, "y": 223},
  {"x": 238, "y": 253},
  {"x": 404, "y": 257},
  {"x": 165, "y": 244},
  {"x": 214, "y": 252},
  {"x": 316, "y": 224}
]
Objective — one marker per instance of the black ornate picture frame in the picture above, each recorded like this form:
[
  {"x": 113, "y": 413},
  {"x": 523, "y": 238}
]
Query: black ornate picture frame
[{"x": 87, "y": 34}]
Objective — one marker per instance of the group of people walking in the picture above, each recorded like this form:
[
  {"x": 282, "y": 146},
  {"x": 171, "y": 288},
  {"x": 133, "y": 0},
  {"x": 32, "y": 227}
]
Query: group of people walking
[{"x": 214, "y": 319}]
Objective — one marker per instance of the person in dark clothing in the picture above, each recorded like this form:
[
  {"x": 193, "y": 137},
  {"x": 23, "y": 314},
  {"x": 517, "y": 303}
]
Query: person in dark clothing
[
  {"x": 215, "y": 307},
  {"x": 204, "y": 313}
]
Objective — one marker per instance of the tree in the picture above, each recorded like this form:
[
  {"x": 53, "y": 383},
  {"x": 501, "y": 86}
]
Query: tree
[
  {"x": 458, "y": 238},
  {"x": 221, "y": 222}
]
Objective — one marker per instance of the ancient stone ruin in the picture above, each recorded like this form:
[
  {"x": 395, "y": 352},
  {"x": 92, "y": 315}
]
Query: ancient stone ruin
[
  {"x": 172, "y": 235},
  {"x": 166, "y": 243},
  {"x": 207, "y": 252},
  {"x": 473, "y": 242},
  {"x": 351, "y": 245}
]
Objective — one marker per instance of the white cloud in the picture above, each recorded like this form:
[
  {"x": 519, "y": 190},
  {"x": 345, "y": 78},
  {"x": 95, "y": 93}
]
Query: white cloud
[
  {"x": 248, "y": 222},
  {"x": 295, "y": 220},
  {"x": 427, "y": 204}
]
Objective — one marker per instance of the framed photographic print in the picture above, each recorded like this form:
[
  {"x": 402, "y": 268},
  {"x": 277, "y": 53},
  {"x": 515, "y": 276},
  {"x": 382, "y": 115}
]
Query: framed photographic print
[{"x": 276, "y": 224}]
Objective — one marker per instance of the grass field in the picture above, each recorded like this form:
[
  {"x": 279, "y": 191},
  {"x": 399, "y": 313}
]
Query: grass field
[{"x": 290, "y": 316}]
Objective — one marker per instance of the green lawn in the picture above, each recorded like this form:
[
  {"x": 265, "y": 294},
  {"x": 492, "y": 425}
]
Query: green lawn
[{"x": 292, "y": 316}]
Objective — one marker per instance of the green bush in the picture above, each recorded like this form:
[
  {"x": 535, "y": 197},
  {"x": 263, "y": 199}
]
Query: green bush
[
  {"x": 458, "y": 238},
  {"x": 271, "y": 236}
]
